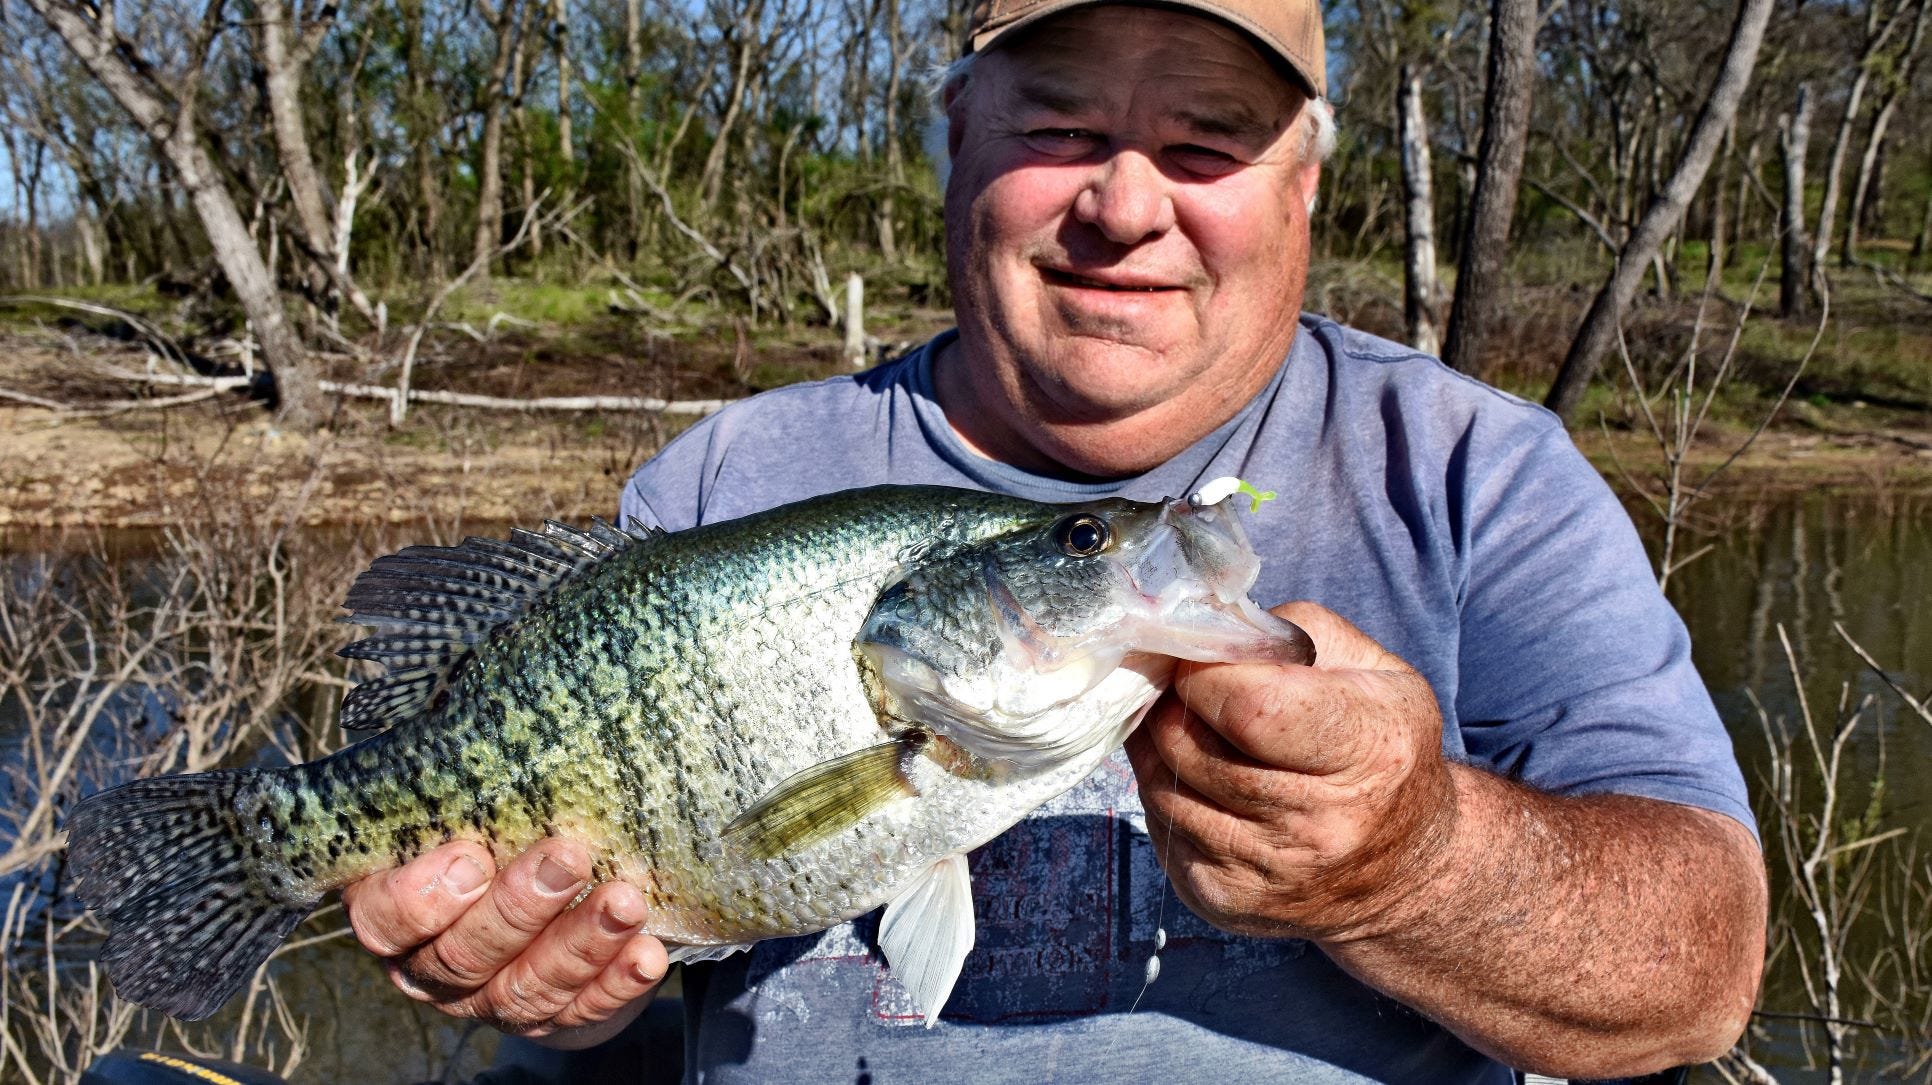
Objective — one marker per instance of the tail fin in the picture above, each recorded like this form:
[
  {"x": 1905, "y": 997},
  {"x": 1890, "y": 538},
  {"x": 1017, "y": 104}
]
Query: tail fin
[{"x": 165, "y": 860}]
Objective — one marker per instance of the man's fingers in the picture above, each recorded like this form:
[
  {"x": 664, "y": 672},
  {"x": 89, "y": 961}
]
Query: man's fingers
[
  {"x": 1305, "y": 719},
  {"x": 1339, "y": 645},
  {"x": 564, "y": 959},
  {"x": 1199, "y": 757},
  {"x": 396, "y": 911},
  {"x": 635, "y": 972},
  {"x": 1172, "y": 806},
  {"x": 531, "y": 891}
]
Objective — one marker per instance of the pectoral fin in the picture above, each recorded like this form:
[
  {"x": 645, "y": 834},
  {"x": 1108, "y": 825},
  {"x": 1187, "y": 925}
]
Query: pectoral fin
[
  {"x": 927, "y": 932},
  {"x": 818, "y": 802}
]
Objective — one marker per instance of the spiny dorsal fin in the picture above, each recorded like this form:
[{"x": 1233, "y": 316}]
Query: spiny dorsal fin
[
  {"x": 429, "y": 604},
  {"x": 639, "y": 530},
  {"x": 832, "y": 795}
]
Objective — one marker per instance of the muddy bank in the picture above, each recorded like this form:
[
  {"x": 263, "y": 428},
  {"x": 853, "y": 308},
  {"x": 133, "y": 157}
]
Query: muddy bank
[{"x": 153, "y": 468}]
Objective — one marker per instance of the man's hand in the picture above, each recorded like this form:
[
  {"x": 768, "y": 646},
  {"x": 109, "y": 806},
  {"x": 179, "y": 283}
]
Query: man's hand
[
  {"x": 1302, "y": 800},
  {"x": 1592, "y": 936},
  {"x": 511, "y": 951}
]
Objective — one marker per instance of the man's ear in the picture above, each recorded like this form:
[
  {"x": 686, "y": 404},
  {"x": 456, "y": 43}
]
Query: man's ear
[{"x": 1310, "y": 183}]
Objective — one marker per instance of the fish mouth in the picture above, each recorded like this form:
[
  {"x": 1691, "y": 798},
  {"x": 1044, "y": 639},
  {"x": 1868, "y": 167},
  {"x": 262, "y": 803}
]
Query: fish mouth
[{"x": 1192, "y": 571}]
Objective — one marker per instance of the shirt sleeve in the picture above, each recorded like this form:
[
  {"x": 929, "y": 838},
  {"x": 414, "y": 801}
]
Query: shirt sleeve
[
  {"x": 1576, "y": 672},
  {"x": 668, "y": 490}
]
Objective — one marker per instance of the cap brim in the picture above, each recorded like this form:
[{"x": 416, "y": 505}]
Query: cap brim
[{"x": 1304, "y": 70}]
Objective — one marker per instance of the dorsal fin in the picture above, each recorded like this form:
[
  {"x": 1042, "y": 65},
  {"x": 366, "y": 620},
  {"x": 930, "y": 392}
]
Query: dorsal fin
[{"x": 428, "y": 605}]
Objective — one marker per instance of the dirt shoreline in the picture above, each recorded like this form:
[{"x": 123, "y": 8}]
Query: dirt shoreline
[
  {"x": 154, "y": 468},
  {"x": 150, "y": 471}
]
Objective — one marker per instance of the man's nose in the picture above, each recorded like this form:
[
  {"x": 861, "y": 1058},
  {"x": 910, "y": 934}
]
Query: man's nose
[{"x": 1126, "y": 198}]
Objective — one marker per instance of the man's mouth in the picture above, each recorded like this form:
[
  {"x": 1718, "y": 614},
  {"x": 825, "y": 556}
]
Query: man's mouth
[{"x": 1087, "y": 282}]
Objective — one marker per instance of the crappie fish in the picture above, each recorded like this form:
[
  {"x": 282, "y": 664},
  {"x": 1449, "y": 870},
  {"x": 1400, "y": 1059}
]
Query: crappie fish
[{"x": 768, "y": 725}]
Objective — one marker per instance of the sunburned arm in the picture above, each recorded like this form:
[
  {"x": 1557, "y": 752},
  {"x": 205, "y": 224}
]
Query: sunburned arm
[
  {"x": 1589, "y": 937},
  {"x": 1598, "y": 936}
]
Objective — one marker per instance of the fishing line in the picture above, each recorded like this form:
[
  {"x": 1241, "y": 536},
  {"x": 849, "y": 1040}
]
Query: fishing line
[{"x": 1160, "y": 914}]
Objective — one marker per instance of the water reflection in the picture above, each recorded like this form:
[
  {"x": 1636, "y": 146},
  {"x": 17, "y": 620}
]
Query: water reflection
[
  {"x": 1812, "y": 565},
  {"x": 1809, "y": 563}
]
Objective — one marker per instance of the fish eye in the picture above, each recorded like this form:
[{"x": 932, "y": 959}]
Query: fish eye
[{"x": 1082, "y": 536}]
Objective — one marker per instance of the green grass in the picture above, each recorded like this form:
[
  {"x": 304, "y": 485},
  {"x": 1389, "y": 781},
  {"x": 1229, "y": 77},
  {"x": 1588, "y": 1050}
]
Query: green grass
[
  {"x": 547, "y": 303},
  {"x": 138, "y": 299}
]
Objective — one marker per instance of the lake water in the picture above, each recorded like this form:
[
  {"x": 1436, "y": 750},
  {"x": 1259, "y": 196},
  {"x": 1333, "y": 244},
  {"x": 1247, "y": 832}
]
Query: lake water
[
  {"x": 1804, "y": 562},
  {"x": 1817, "y": 564}
]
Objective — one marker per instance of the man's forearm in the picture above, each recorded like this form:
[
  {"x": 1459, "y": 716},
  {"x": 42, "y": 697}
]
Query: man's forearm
[{"x": 1592, "y": 937}]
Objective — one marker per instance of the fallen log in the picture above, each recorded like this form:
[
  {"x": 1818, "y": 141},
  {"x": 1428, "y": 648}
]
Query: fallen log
[{"x": 389, "y": 396}]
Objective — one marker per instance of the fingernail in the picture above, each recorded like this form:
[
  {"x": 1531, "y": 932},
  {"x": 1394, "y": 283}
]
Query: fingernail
[
  {"x": 464, "y": 875},
  {"x": 616, "y": 920},
  {"x": 643, "y": 972},
  {"x": 555, "y": 877}
]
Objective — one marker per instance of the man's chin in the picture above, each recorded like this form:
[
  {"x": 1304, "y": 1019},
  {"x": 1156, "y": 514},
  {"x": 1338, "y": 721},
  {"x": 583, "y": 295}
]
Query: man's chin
[{"x": 1114, "y": 375}]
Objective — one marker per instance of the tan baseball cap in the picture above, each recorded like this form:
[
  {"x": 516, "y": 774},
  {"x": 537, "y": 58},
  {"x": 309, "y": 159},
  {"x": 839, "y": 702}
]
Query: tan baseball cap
[{"x": 1291, "y": 29}]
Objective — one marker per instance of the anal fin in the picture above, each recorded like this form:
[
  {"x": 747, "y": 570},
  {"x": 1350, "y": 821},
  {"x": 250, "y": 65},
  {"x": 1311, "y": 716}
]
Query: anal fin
[
  {"x": 688, "y": 954},
  {"x": 927, "y": 932},
  {"x": 824, "y": 799}
]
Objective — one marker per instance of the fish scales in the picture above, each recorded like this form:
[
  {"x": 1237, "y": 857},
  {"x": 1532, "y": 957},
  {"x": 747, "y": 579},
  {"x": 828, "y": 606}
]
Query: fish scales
[
  {"x": 768, "y": 726},
  {"x": 565, "y": 717}
]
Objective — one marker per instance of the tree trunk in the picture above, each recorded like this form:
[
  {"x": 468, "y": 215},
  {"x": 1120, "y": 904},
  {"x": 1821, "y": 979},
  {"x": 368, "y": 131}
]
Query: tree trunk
[
  {"x": 489, "y": 170},
  {"x": 1794, "y": 250},
  {"x": 1841, "y": 141},
  {"x": 283, "y": 61},
  {"x": 421, "y": 128},
  {"x": 712, "y": 178},
  {"x": 560, "y": 24},
  {"x": 894, "y": 139},
  {"x": 1419, "y": 220},
  {"x": 1720, "y": 212},
  {"x": 1499, "y": 170},
  {"x": 31, "y": 186},
  {"x": 522, "y": 69},
  {"x": 93, "y": 260},
  {"x": 100, "y": 51},
  {"x": 1875, "y": 139},
  {"x": 1871, "y": 211},
  {"x": 634, "y": 62},
  {"x": 298, "y": 397},
  {"x": 1923, "y": 242},
  {"x": 1600, "y": 325},
  {"x": 1743, "y": 214},
  {"x": 489, "y": 190}
]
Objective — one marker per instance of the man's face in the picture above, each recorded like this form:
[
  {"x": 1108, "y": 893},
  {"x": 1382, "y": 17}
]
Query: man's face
[{"x": 1128, "y": 227}]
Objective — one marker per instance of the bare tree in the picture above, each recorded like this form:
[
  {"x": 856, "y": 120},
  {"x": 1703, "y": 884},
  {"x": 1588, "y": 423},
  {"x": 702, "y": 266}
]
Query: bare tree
[
  {"x": 1922, "y": 242},
  {"x": 502, "y": 17},
  {"x": 741, "y": 37},
  {"x": 1419, "y": 238},
  {"x": 1499, "y": 169},
  {"x": 1601, "y": 323},
  {"x": 287, "y": 44},
  {"x": 163, "y": 105},
  {"x": 899, "y": 47},
  {"x": 1877, "y": 33},
  {"x": 1892, "y": 92},
  {"x": 1794, "y": 269},
  {"x": 560, "y": 45}
]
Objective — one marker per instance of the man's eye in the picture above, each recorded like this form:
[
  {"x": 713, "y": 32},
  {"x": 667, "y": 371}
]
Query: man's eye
[
  {"x": 1061, "y": 141},
  {"x": 1203, "y": 160}
]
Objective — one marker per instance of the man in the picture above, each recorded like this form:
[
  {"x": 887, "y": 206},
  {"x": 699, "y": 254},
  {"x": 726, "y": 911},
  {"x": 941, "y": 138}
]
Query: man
[{"x": 1497, "y": 823}]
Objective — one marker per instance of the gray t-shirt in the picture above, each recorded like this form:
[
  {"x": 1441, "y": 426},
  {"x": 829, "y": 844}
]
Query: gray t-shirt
[{"x": 1455, "y": 524}]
